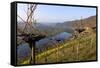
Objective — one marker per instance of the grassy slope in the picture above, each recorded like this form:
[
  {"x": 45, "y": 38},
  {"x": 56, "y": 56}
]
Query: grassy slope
[{"x": 82, "y": 48}]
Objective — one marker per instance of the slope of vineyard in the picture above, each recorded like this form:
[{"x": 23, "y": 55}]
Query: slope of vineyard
[{"x": 82, "y": 48}]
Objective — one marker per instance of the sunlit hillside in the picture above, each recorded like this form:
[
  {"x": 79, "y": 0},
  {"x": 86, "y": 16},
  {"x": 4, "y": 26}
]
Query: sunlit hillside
[{"x": 82, "y": 48}]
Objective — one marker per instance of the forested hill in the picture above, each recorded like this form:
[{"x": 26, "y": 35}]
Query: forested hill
[{"x": 89, "y": 22}]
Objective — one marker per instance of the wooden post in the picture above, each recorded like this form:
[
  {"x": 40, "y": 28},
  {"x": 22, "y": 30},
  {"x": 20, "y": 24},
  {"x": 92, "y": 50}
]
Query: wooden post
[
  {"x": 77, "y": 52},
  {"x": 45, "y": 56},
  {"x": 73, "y": 52}
]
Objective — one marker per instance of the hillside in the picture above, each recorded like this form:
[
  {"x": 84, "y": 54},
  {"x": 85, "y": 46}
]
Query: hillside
[
  {"x": 89, "y": 22},
  {"x": 82, "y": 48}
]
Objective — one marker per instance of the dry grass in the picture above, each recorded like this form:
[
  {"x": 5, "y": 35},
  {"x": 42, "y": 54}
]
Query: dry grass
[{"x": 81, "y": 49}]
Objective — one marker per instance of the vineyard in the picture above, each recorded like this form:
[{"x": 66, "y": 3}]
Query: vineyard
[{"x": 82, "y": 48}]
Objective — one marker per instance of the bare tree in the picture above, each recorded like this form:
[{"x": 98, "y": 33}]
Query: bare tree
[{"x": 31, "y": 33}]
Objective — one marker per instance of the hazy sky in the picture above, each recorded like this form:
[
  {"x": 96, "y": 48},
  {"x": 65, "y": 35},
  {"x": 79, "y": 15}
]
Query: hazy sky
[{"x": 54, "y": 14}]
